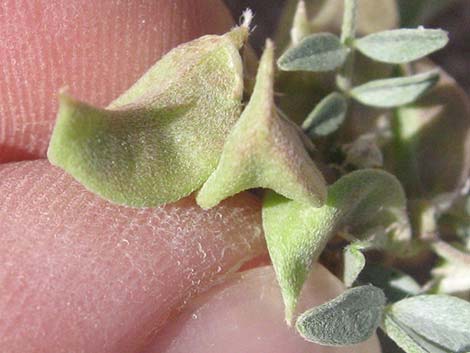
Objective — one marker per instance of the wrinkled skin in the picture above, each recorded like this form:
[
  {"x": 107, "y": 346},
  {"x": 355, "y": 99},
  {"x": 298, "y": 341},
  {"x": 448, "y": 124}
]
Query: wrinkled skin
[{"x": 78, "y": 274}]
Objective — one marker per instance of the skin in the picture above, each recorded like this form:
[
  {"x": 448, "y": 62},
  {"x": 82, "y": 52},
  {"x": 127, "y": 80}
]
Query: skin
[{"x": 81, "y": 275}]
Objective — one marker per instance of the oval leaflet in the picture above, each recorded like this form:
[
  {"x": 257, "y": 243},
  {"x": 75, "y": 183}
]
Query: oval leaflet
[
  {"x": 402, "y": 45},
  {"x": 317, "y": 52},
  {"x": 394, "y": 92},
  {"x": 348, "y": 319}
]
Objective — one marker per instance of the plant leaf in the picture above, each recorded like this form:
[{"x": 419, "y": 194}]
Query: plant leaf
[
  {"x": 393, "y": 92},
  {"x": 317, "y": 52},
  {"x": 348, "y": 319},
  {"x": 263, "y": 150},
  {"x": 354, "y": 262},
  {"x": 296, "y": 233},
  {"x": 162, "y": 138},
  {"x": 408, "y": 340},
  {"x": 402, "y": 45},
  {"x": 430, "y": 323},
  {"x": 327, "y": 116}
]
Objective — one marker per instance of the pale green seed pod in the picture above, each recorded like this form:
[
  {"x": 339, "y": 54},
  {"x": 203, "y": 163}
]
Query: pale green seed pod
[{"x": 161, "y": 139}]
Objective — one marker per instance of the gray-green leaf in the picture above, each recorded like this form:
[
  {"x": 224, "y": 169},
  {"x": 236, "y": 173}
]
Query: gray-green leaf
[
  {"x": 264, "y": 150},
  {"x": 296, "y": 233},
  {"x": 161, "y": 139},
  {"x": 430, "y": 323},
  {"x": 394, "y": 92},
  {"x": 348, "y": 319},
  {"x": 317, "y": 52},
  {"x": 402, "y": 45},
  {"x": 354, "y": 262},
  {"x": 327, "y": 116}
]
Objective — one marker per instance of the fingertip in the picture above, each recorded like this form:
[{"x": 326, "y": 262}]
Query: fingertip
[
  {"x": 246, "y": 314},
  {"x": 80, "y": 274}
]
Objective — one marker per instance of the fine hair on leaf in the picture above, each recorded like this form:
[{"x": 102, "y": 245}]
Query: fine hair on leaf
[{"x": 348, "y": 319}]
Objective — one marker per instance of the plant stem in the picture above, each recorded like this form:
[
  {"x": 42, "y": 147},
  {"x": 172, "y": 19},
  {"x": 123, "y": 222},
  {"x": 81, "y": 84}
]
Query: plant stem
[
  {"x": 348, "y": 29},
  {"x": 344, "y": 79}
]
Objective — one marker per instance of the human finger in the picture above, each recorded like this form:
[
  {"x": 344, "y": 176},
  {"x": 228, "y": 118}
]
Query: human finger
[{"x": 80, "y": 274}]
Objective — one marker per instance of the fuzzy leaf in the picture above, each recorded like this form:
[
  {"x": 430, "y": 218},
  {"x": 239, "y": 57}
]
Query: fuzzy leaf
[
  {"x": 296, "y": 233},
  {"x": 430, "y": 323},
  {"x": 162, "y": 138},
  {"x": 402, "y": 45},
  {"x": 393, "y": 92},
  {"x": 264, "y": 150},
  {"x": 354, "y": 262},
  {"x": 317, "y": 52},
  {"x": 327, "y": 116},
  {"x": 348, "y": 319},
  {"x": 440, "y": 118},
  {"x": 408, "y": 340}
]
